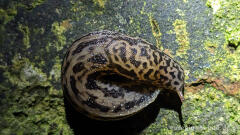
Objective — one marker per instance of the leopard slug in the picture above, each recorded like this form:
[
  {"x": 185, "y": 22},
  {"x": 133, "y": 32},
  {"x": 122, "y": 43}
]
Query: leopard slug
[{"x": 109, "y": 76}]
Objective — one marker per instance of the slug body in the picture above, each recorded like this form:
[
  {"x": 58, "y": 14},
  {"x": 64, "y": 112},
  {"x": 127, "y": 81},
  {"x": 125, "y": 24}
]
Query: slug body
[{"x": 108, "y": 75}]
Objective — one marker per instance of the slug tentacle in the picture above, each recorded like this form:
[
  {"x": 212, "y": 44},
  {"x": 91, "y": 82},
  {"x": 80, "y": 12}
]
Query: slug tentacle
[{"x": 108, "y": 75}]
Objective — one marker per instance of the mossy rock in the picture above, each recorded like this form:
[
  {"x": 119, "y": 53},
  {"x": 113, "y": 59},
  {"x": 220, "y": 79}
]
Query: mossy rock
[{"x": 203, "y": 36}]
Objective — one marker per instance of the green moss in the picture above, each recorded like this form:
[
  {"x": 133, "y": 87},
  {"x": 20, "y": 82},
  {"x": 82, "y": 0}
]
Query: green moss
[
  {"x": 36, "y": 3},
  {"x": 227, "y": 19},
  {"x": 78, "y": 7},
  {"x": 143, "y": 8},
  {"x": 223, "y": 63},
  {"x": 33, "y": 106},
  {"x": 180, "y": 12},
  {"x": 7, "y": 15},
  {"x": 135, "y": 26},
  {"x": 38, "y": 31},
  {"x": 25, "y": 31},
  {"x": 34, "y": 110},
  {"x": 209, "y": 111},
  {"x": 229, "y": 66},
  {"x": 121, "y": 19},
  {"x": 58, "y": 29},
  {"x": 22, "y": 73},
  {"x": 182, "y": 35},
  {"x": 29, "y": 4},
  {"x": 210, "y": 44},
  {"x": 56, "y": 70},
  {"x": 100, "y": 3}
]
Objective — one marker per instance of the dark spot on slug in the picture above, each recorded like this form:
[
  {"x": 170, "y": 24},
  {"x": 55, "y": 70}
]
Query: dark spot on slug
[
  {"x": 176, "y": 83},
  {"x": 123, "y": 54},
  {"x": 82, "y": 45},
  {"x": 143, "y": 98},
  {"x": 81, "y": 75},
  {"x": 155, "y": 59},
  {"x": 94, "y": 67},
  {"x": 164, "y": 68},
  {"x": 132, "y": 58},
  {"x": 168, "y": 61},
  {"x": 153, "y": 47},
  {"x": 117, "y": 109},
  {"x": 134, "y": 51},
  {"x": 144, "y": 65},
  {"x": 67, "y": 54},
  {"x": 65, "y": 88},
  {"x": 127, "y": 65},
  {"x": 91, "y": 48},
  {"x": 140, "y": 72},
  {"x": 163, "y": 77},
  {"x": 176, "y": 66},
  {"x": 98, "y": 59},
  {"x": 143, "y": 52},
  {"x": 93, "y": 104},
  {"x": 106, "y": 50},
  {"x": 112, "y": 93},
  {"x": 73, "y": 85},
  {"x": 146, "y": 76},
  {"x": 81, "y": 57},
  {"x": 129, "y": 40},
  {"x": 161, "y": 67},
  {"x": 151, "y": 63},
  {"x": 92, "y": 96},
  {"x": 156, "y": 74},
  {"x": 172, "y": 74},
  {"x": 91, "y": 84},
  {"x": 116, "y": 58},
  {"x": 180, "y": 76},
  {"x": 78, "y": 67},
  {"x": 160, "y": 57},
  {"x": 168, "y": 83},
  {"x": 129, "y": 105},
  {"x": 134, "y": 62},
  {"x": 161, "y": 54},
  {"x": 125, "y": 71},
  {"x": 65, "y": 68},
  {"x": 66, "y": 94}
]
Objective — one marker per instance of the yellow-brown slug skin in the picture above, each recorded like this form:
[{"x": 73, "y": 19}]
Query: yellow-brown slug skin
[{"x": 108, "y": 75}]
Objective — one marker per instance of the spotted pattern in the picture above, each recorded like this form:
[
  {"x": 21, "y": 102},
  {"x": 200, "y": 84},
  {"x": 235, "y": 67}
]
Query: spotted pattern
[{"x": 108, "y": 75}]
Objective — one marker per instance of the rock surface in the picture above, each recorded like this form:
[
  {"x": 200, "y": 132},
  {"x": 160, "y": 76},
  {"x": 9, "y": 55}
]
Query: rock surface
[{"x": 202, "y": 35}]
